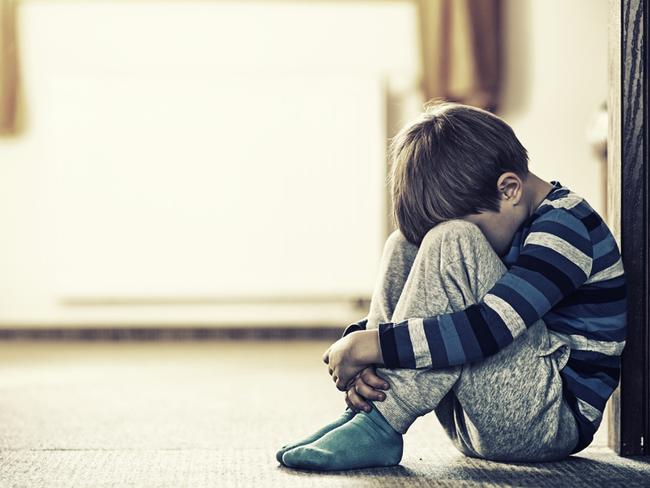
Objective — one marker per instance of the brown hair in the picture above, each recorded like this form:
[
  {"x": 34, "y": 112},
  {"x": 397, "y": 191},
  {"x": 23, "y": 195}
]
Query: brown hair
[{"x": 446, "y": 163}]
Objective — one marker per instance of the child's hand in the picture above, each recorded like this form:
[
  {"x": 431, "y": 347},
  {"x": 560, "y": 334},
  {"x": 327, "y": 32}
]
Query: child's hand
[
  {"x": 366, "y": 385},
  {"x": 350, "y": 354}
]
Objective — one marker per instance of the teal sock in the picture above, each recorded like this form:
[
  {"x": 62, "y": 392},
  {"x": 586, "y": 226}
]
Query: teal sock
[
  {"x": 347, "y": 415},
  {"x": 366, "y": 441}
]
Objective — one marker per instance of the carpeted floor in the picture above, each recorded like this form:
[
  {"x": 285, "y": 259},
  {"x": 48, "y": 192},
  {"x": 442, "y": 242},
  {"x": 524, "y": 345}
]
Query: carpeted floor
[{"x": 212, "y": 414}]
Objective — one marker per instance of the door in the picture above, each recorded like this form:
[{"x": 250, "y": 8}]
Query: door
[{"x": 629, "y": 429}]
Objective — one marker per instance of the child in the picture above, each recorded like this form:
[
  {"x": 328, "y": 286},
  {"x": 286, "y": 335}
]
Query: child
[{"x": 500, "y": 305}]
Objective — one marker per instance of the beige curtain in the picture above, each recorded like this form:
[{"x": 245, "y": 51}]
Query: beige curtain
[
  {"x": 461, "y": 49},
  {"x": 8, "y": 67}
]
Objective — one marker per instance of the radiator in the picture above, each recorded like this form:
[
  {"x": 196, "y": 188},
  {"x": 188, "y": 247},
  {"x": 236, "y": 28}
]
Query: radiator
[{"x": 216, "y": 189}]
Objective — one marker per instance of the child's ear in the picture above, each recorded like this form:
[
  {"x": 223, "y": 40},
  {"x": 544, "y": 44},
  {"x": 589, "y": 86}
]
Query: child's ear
[{"x": 511, "y": 187}]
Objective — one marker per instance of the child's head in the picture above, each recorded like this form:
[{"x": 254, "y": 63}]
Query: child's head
[{"x": 450, "y": 163}]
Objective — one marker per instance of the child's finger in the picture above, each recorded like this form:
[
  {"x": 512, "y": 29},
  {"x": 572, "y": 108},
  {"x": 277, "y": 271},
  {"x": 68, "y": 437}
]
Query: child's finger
[
  {"x": 349, "y": 403},
  {"x": 326, "y": 356},
  {"x": 369, "y": 377},
  {"x": 350, "y": 383},
  {"x": 357, "y": 401},
  {"x": 368, "y": 392}
]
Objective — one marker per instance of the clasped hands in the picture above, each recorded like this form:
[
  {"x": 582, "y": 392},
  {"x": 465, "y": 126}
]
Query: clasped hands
[{"x": 352, "y": 360}]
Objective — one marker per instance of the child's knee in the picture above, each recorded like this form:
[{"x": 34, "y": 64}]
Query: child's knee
[
  {"x": 396, "y": 241},
  {"x": 453, "y": 234}
]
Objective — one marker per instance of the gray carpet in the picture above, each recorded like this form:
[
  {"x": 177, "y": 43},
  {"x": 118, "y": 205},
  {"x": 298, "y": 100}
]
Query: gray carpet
[{"x": 213, "y": 414}]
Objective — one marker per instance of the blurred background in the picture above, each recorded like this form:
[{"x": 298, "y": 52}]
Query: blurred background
[{"x": 223, "y": 163}]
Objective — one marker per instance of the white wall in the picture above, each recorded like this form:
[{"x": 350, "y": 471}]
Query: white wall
[
  {"x": 555, "y": 79},
  {"x": 119, "y": 186}
]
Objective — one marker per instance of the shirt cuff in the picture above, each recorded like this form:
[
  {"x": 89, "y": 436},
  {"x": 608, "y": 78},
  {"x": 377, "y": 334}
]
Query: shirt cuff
[
  {"x": 388, "y": 345},
  {"x": 361, "y": 325}
]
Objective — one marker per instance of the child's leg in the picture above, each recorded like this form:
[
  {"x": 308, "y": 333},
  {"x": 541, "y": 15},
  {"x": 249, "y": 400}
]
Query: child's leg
[
  {"x": 397, "y": 257},
  {"x": 432, "y": 288},
  {"x": 514, "y": 412},
  {"x": 507, "y": 407},
  {"x": 411, "y": 279},
  {"x": 394, "y": 269}
]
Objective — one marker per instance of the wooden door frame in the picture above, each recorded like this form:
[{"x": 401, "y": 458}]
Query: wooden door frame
[{"x": 629, "y": 418}]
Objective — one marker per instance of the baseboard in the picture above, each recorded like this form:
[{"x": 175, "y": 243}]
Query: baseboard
[{"x": 168, "y": 333}]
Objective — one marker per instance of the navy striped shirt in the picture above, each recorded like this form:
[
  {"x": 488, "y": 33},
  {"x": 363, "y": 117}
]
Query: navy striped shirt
[{"x": 563, "y": 266}]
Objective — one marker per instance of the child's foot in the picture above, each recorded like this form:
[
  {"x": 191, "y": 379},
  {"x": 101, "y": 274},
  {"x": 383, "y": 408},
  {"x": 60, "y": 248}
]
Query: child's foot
[
  {"x": 347, "y": 415},
  {"x": 366, "y": 441}
]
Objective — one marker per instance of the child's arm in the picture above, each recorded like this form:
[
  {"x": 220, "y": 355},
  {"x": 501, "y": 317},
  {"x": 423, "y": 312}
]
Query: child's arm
[{"x": 555, "y": 260}]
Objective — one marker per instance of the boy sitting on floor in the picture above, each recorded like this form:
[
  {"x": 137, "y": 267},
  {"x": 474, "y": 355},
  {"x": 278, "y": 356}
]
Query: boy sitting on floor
[{"x": 500, "y": 305}]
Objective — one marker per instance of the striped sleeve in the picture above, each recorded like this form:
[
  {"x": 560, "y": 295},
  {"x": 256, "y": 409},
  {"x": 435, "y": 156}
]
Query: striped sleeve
[
  {"x": 360, "y": 325},
  {"x": 555, "y": 259}
]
